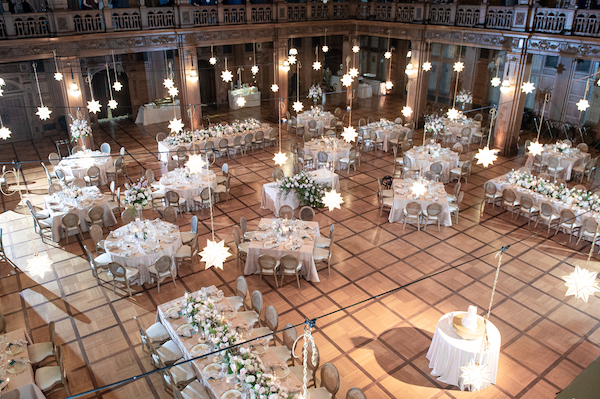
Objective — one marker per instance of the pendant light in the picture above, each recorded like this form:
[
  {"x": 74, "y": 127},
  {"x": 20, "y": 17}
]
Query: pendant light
[{"x": 42, "y": 111}]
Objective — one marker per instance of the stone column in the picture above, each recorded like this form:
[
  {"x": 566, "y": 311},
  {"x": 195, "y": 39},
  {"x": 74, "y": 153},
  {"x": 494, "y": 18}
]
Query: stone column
[
  {"x": 189, "y": 92},
  {"x": 511, "y": 104},
  {"x": 416, "y": 88}
]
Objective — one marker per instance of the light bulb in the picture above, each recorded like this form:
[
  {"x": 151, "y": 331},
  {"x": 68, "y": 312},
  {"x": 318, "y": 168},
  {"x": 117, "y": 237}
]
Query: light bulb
[
  {"x": 285, "y": 66},
  {"x": 74, "y": 90},
  {"x": 193, "y": 77},
  {"x": 410, "y": 70},
  {"x": 505, "y": 88}
]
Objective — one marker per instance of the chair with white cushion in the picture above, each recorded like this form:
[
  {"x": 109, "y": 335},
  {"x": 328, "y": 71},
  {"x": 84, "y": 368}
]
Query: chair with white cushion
[
  {"x": 433, "y": 213},
  {"x": 161, "y": 270},
  {"x": 306, "y": 214},
  {"x": 43, "y": 352},
  {"x": 491, "y": 196},
  {"x": 588, "y": 231},
  {"x": 568, "y": 223},
  {"x": 105, "y": 148},
  {"x": 323, "y": 242},
  {"x": 241, "y": 291},
  {"x": 95, "y": 217},
  {"x": 70, "y": 222},
  {"x": 168, "y": 353},
  {"x": 350, "y": 160},
  {"x": 509, "y": 201},
  {"x": 188, "y": 236},
  {"x": 193, "y": 390},
  {"x": 528, "y": 209},
  {"x": 324, "y": 255},
  {"x": 460, "y": 172},
  {"x": 413, "y": 211},
  {"x": 269, "y": 266},
  {"x": 548, "y": 215},
  {"x": 330, "y": 383},
  {"x": 98, "y": 238},
  {"x": 121, "y": 274},
  {"x": 290, "y": 266},
  {"x": 455, "y": 208},
  {"x": 99, "y": 264},
  {"x": 154, "y": 336},
  {"x": 187, "y": 252},
  {"x": 52, "y": 378},
  {"x": 252, "y": 317},
  {"x": 272, "y": 323},
  {"x": 224, "y": 189},
  {"x": 554, "y": 167},
  {"x": 242, "y": 247},
  {"x": 92, "y": 176},
  {"x": 355, "y": 393},
  {"x": 284, "y": 352},
  {"x": 177, "y": 377},
  {"x": 312, "y": 367}
]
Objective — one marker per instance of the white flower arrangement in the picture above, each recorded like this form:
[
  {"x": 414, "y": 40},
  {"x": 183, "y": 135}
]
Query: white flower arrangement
[
  {"x": 315, "y": 92},
  {"x": 434, "y": 124},
  {"x": 79, "y": 128},
  {"x": 138, "y": 195},
  {"x": 308, "y": 191},
  {"x": 215, "y": 131},
  {"x": 464, "y": 96}
]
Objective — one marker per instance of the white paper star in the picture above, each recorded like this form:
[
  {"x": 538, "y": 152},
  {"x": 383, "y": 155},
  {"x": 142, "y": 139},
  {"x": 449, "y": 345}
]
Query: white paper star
[
  {"x": 5, "y": 133},
  {"x": 274, "y": 88},
  {"x": 112, "y": 104},
  {"x": 316, "y": 65},
  {"x": 459, "y": 66},
  {"x": 1, "y": 92},
  {"x": 168, "y": 83},
  {"x": 43, "y": 113},
  {"x": 298, "y": 106},
  {"x": 486, "y": 157},
  {"x": 527, "y": 87},
  {"x": 280, "y": 158},
  {"x": 353, "y": 72},
  {"x": 349, "y": 134},
  {"x": 333, "y": 200},
  {"x": 94, "y": 106},
  {"x": 214, "y": 254},
  {"x": 418, "y": 188},
  {"x": 241, "y": 101},
  {"x": 389, "y": 85},
  {"x": 254, "y": 69},
  {"x": 475, "y": 375},
  {"x": 355, "y": 49},
  {"x": 598, "y": 82},
  {"x": 117, "y": 86},
  {"x": 212, "y": 60},
  {"x": 582, "y": 283},
  {"x": 195, "y": 164},
  {"x": 406, "y": 111},
  {"x": 176, "y": 125},
  {"x": 173, "y": 91},
  {"x": 427, "y": 66},
  {"x": 496, "y": 81},
  {"x": 39, "y": 265},
  {"x": 226, "y": 75},
  {"x": 346, "y": 80},
  {"x": 583, "y": 104},
  {"x": 292, "y": 59},
  {"x": 325, "y": 48},
  {"x": 58, "y": 76},
  {"x": 387, "y": 55},
  {"x": 453, "y": 114},
  {"x": 535, "y": 148}
]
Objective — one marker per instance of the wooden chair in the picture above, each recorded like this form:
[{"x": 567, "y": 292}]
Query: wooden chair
[
  {"x": 286, "y": 212},
  {"x": 491, "y": 196},
  {"x": 52, "y": 378},
  {"x": 92, "y": 176},
  {"x": 95, "y": 217},
  {"x": 251, "y": 317},
  {"x": 241, "y": 292},
  {"x": 187, "y": 252},
  {"x": 567, "y": 223},
  {"x": 98, "y": 264},
  {"x": 548, "y": 215},
  {"x": 161, "y": 270},
  {"x": 268, "y": 266},
  {"x": 433, "y": 212},
  {"x": 413, "y": 211},
  {"x": 98, "y": 238},
  {"x": 355, "y": 393},
  {"x": 242, "y": 247},
  {"x": 128, "y": 216},
  {"x": 290, "y": 266},
  {"x": 70, "y": 222},
  {"x": 307, "y": 213},
  {"x": 121, "y": 274},
  {"x": 42, "y": 353},
  {"x": 509, "y": 201},
  {"x": 330, "y": 382}
]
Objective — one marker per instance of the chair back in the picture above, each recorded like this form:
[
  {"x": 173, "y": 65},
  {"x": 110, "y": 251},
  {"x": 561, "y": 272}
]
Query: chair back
[
  {"x": 312, "y": 124},
  {"x": 579, "y": 187},
  {"x": 413, "y": 208},
  {"x": 54, "y": 188},
  {"x": 552, "y": 162},
  {"x": 567, "y": 217},
  {"x": 248, "y": 138},
  {"x": 509, "y": 195},
  {"x": 307, "y": 213},
  {"x": 209, "y": 146},
  {"x": 60, "y": 174},
  {"x": 237, "y": 141},
  {"x": 149, "y": 174},
  {"x": 370, "y": 119},
  {"x": 128, "y": 215},
  {"x": 547, "y": 209},
  {"x": 206, "y": 193},
  {"x": 307, "y": 137},
  {"x": 526, "y": 202},
  {"x": 161, "y": 136},
  {"x": 436, "y": 168},
  {"x": 568, "y": 142},
  {"x": 322, "y": 156},
  {"x": 70, "y": 220},
  {"x": 406, "y": 161},
  {"x": 194, "y": 224},
  {"x": 429, "y": 176},
  {"x": 457, "y": 148},
  {"x": 434, "y": 209},
  {"x": 223, "y": 143},
  {"x": 172, "y": 198},
  {"x": 96, "y": 233},
  {"x": 466, "y": 167},
  {"x": 277, "y": 174},
  {"x": 78, "y": 183},
  {"x": 259, "y": 136},
  {"x": 286, "y": 212},
  {"x": 337, "y": 111},
  {"x": 490, "y": 189},
  {"x": 267, "y": 262},
  {"x": 355, "y": 393},
  {"x": 170, "y": 215},
  {"x": 171, "y": 165},
  {"x": 583, "y": 147},
  {"x": 236, "y": 237},
  {"x": 465, "y": 132},
  {"x": 362, "y": 122},
  {"x": 544, "y": 176},
  {"x": 118, "y": 164},
  {"x": 181, "y": 152},
  {"x": 256, "y": 300},
  {"x": 478, "y": 117},
  {"x": 195, "y": 149},
  {"x": 590, "y": 225},
  {"x": 225, "y": 169},
  {"x": 54, "y": 159},
  {"x": 96, "y": 213},
  {"x": 163, "y": 264},
  {"x": 398, "y": 120},
  {"x": 297, "y": 168},
  {"x": 272, "y": 318},
  {"x": 76, "y": 149},
  {"x": 241, "y": 286},
  {"x": 290, "y": 335},
  {"x": 289, "y": 262},
  {"x": 116, "y": 270},
  {"x": 3, "y": 326},
  {"x": 105, "y": 148},
  {"x": 330, "y": 378}
]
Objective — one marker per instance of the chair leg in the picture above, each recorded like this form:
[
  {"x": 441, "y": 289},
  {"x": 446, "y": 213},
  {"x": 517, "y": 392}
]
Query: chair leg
[{"x": 298, "y": 277}]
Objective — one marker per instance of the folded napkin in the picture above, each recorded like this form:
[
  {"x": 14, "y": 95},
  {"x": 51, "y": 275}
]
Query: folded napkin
[{"x": 185, "y": 330}]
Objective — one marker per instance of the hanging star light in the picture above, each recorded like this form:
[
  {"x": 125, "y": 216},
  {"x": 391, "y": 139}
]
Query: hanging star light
[
  {"x": 212, "y": 60},
  {"x": 459, "y": 66},
  {"x": 280, "y": 158},
  {"x": 43, "y": 113},
  {"x": 346, "y": 80},
  {"x": 112, "y": 104},
  {"x": 355, "y": 49},
  {"x": 332, "y": 199},
  {"x": 168, "y": 83},
  {"x": 5, "y": 133},
  {"x": 226, "y": 75},
  {"x": 214, "y": 254},
  {"x": 58, "y": 76},
  {"x": 349, "y": 134},
  {"x": 316, "y": 65},
  {"x": 387, "y": 55},
  {"x": 409, "y": 70},
  {"x": 389, "y": 85},
  {"x": 39, "y": 265},
  {"x": 298, "y": 106},
  {"x": 173, "y": 91},
  {"x": 582, "y": 283},
  {"x": 195, "y": 163},
  {"x": 486, "y": 157},
  {"x": 427, "y": 66},
  {"x": 406, "y": 111},
  {"x": 1, "y": 92},
  {"x": 325, "y": 48},
  {"x": 241, "y": 101},
  {"x": 496, "y": 81},
  {"x": 535, "y": 148},
  {"x": 254, "y": 69},
  {"x": 94, "y": 106},
  {"x": 285, "y": 66},
  {"x": 527, "y": 87},
  {"x": 292, "y": 59},
  {"x": 418, "y": 188},
  {"x": 176, "y": 125},
  {"x": 598, "y": 82},
  {"x": 274, "y": 88},
  {"x": 583, "y": 104},
  {"x": 476, "y": 375},
  {"x": 453, "y": 114},
  {"x": 353, "y": 72}
]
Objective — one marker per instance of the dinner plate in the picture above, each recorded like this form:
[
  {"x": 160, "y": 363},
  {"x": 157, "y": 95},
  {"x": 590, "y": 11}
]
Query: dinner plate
[
  {"x": 173, "y": 313},
  {"x": 3, "y": 383},
  {"x": 199, "y": 349},
  {"x": 16, "y": 366},
  {"x": 213, "y": 370},
  {"x": 185, "y": 330},
  {"x": 231, "y": 394},
  {"x": 271, "y": 244},
  {"x": 229, "y": 314},
  {"x": 260, "y": 349},
  {"x": 281, "y": 372},
  {"x": 14, "y": 348}
]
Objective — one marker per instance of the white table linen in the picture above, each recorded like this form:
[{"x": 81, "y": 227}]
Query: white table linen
[
  {"x": 332, "y": 146},
  {"x": 403, "y": 195},
  {"x": 59, "y": 204},
  {"x": 325, "y": 176},
  {"x": 77, "y": 165},
  {"x": 24, "y": 382},
  {"x": 304, "y": 253},
  {"x": 365, "y": 90},
  {"x": 424, "y": 159},
  {"x": 187, "y": 185},
  {"x": 323, "y": 120},
  {"x": 150, "y": 114},
  {"x": 125, "y": 248},
  {"x": 567, "y": 158},
  {"x": 272, "y": 200},
  {"x": 449, "y": 352},
  {"x": 383, "y": 128},
  {"x": 250, "y": 94},
  {"x": 456, "y": 127}
]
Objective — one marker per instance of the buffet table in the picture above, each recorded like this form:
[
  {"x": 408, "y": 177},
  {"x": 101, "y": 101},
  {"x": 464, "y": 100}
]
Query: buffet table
[
  {"x": 150, "y": 114},
  {"x": 251, "y": 94},
  {"x": 300, "y": 243},
  {"x": 449, "y": 352},
  {"x": 403, "y": 195}
]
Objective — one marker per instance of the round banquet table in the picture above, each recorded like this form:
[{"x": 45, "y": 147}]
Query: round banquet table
[
  {"x": 323, "y": 121},
  {"x": 136, "y": 257},
  {"x": 77, "y": 165},
  {"x": 187, "y": 188},
  {"x": 315, "y": 146},
  {"x": 456, "y": 127},
  {"x": 448, "y": 352},
  {"x": 448, "y": 159}
]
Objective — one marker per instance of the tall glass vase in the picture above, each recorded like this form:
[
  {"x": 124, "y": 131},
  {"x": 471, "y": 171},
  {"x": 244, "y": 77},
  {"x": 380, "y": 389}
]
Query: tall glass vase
[{"x": 140, "y": 214}]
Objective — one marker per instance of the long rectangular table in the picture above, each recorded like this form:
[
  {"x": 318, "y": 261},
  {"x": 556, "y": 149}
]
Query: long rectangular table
[{"x": 24, "y": 382}]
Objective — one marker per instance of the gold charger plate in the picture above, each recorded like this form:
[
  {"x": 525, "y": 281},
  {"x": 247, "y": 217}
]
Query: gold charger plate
[{"x": 466, "y": 333}]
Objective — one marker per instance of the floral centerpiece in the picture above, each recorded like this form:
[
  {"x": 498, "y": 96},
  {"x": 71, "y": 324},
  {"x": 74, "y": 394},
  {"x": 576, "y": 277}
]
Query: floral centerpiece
[
  {"x": 138, "y": 195},
  {"x": 434, "y": 125},
  {"x": 79, "y": 129},
  {"x": 308, "y": 191},
  {"x": 465, "y": 97},
  {"x": 315, "y": 92}
]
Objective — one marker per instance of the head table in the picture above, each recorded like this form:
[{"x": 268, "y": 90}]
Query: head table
[
  {"x": 141, "y": 243},
  {"x": 186, "y": 184},
  {"x": 77, "y": 165},
  {"x": 403, "y": 195},
  {"x": 567, "y": 157},
  {"x": 209, "y": 370},
  {"x": 278, "y": 237}
]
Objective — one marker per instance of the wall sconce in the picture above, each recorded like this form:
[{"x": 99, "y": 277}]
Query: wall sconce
[
  {"x": 74, "y": 90},
  {"x": 410, "y": 70},
  {"x": 285, "y": 66},
  {"x": 505, "y": 87}
]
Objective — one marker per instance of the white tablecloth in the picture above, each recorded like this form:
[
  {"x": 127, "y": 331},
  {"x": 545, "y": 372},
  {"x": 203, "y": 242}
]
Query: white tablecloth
[
  {"x": 77, "y": 165},
  {"x": 271, "y": 199},
  {"x": 304, "y": 254},
  {"x": 383, "y": 131},
  {"x": 323, "y": 121},
  {"x": 449, "y": 352},
  {"x": 81, "y": 211},
  {"x": 251, "y": 94},
  {"x": 365, "y": 90},
  {"x": 456, "y": 127},
  {"x": 378, "y": 87},
  {"x": 342, "y": 150},
  {"x": 142, "y": 260},
  {"x": 574, "y": 158},
  {"x": 24, "y": 381},
  {"x": 325, "y": 176},
  {"x": 401, "y": 200},
  {"x": 448, "y": 159},
  {"x": 186, "y": 188},
  {"x": 151, "y": 114}
]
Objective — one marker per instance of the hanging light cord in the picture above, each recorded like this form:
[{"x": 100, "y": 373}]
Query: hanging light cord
[
  {"x": 108, "y": 78},
  {"x": 114, "y": 67},
  {"x": 457, "y": 72},
  {"x": 546, "y": 99},
  {"x": 37, "y": 83},
  {"x": 494, "y": 113}
]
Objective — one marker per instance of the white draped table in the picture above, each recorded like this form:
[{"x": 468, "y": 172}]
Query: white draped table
[
  {"x": 304, "y": 253},
  {"x": 332, "y": 146},
  {"x": 403, "y": 195},
  {"x": 424, "y": 159},
  {"x": 567, "y": 158},
  {"x": 150, "y": 114},
  {"x": 125, "y": 248},
  {"x": 449, "y": 352},
  {"x": 325, "y": 177},
  {"x": 456, "y": 127},
  {"x": 383, "y": 129},
  {"x": 24, "y": 382},
  {"x": 271, "y": 199},
  {"x": 323, "y": 120},
  {"x": 77, "y": 165},
  {"x": 188, "y": 186}
]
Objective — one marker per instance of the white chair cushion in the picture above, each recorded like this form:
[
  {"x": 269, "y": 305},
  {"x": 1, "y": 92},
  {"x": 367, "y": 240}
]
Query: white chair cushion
[
  {"x": 45, "y": 223},
  {"x": 388, "y": 193},
  {"x": 452, "y": 207},
  {"x": 183, "y": 372},
  {"x": 345, "y": 160},
  {"x": 322, "y": 242},
  {"x": 169, "y": 352},
  {"x": 43, "y": 214},
  {"x": 319, "y": 393},
  {"x": 152, "y": 270},
  {"x": 187, "y": 236},
  {"x": 320, "y": 254},
  {"x": 185, "y": 251},
  {"x": 259, "y": 332},
  {"x": 47, "y": 376},
  {"x": 249, "y": 235},
  {"x": 158, "y": 194},
  {"x": 244, "y": 247},
  {"x": 103, "y": 259},
  {"x": 456, "y": 171},
  {"x": 195, "y": 390},
  {"x": 221, "y": 179},
  {"x": 450, "y": 198},
  {"x": 38, "y": 352},
  {"x": 282, "y": 352},
  {"x": 387, "y": 201},
  {"x": 235, "y": 301},
  {"x": 220, "y": 189},
  {"x": 250, "y": 317},
  {"x": 157, "y": 332}
]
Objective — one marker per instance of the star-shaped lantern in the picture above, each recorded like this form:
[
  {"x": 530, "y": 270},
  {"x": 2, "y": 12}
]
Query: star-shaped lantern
[
  {"x": 332, "y": 200},
  {"x": 280, "y": 158},
  {"x": 353, "y": 72},
  {"x": 5, "y": 133},
  {"x": 274, "y": 88},
  {"x": 173, "y": 91},
  {"x": 355, "y": 49},
  {"x": 583, "y": 104},
  {"x": 94, "y": 106},
  {"x": 298, "y": 106},
  {"x": 476, "y": 375},
  {"x": 176, "y": 125},
  {"x": 195, "y": 164},
  {"x": 214, "y": 254},
  {"x": 349, "y": 134},
  {"x": 292, "y": 59},
  {"x": 453, "y": 114},
  {"x": 241, "y": 101},
  {"x": 406, "y": 111},
  {"x": 325, "y": 48},
  {"x": 527, "y": 87},
  {"x": 389, "y": 85},
  {"x": 43, "y": 113},
  {"x": 58, "y": 76},
  {"x": 427, "y": 66},
  {"x": 112, "y": 104},
  {"x": 226, "y": 75},
  {"x": 582, "y": 283},
  {"x": 39, "y": 265},
  {"x": 486, "y": 157},
  {"x": 535, "y": 148},
  {"x": 346, "y": 80},
  {"x": 212, "y": 60},
  {"x": 117, "y": 86},
  {"x": 254, "y": 69},
  {"x": 316, "y": 65},
  {"x": 168, "y": 83},
  {"x": 459, "y": 66},
  {"x": 496, "y": 81},
  {"x": 387, "y": 55}
]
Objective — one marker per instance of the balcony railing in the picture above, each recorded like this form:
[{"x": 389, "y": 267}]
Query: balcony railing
[{"x": 518, "y": 18}]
